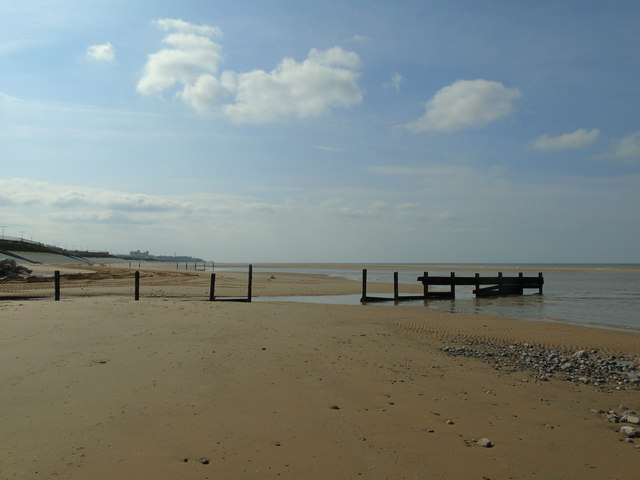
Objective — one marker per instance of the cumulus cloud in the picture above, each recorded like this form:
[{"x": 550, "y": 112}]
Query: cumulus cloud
[
  {"x": 325, "y": 79},
  {"x": 567, "y": 141},
  {"x": 104, "y": 52},
  {"x": 465, "y": 104},
  {"x": 190, "y": 57}
]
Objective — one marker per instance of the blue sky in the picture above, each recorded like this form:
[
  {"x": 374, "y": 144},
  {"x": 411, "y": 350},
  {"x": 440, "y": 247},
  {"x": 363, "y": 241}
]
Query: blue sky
[{"x": 333, "y": 131}]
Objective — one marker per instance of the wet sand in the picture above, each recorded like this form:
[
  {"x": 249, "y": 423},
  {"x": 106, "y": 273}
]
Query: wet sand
[{"x": 173, "y": 386}]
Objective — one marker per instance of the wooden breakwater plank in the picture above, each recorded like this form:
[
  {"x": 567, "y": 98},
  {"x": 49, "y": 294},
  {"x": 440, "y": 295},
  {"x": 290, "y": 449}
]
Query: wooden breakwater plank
[
  {"x": 212, "y": 295},
  {"x": 397, "y": 297},
  {"x": 498, "y": 285}
]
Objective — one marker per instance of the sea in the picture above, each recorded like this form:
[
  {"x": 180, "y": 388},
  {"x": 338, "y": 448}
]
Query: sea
[{"x": 596, "y": 295}]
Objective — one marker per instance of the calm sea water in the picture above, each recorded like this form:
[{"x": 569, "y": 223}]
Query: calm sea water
[{"x": 590, "y": 296}]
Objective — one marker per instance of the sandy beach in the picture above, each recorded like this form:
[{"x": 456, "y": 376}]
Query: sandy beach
[{"x": 174, "y": 386}]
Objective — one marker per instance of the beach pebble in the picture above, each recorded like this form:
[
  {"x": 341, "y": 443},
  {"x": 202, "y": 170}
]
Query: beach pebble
[
  {"x": 485, "y": 442},
  {"x": 630, "y": 431},
  {"x": 633, "y": 419}
]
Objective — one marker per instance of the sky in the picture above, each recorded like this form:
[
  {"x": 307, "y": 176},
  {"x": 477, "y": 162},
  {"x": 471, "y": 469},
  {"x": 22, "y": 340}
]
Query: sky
[{"x": 324, "y": 131}]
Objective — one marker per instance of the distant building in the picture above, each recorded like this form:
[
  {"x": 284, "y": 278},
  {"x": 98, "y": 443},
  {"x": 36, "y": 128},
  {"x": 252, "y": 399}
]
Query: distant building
[{"x": 137, "y": 254}]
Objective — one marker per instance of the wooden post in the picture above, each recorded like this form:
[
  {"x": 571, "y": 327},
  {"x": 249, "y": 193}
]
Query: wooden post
[
  {"x": 363, "y": 299},
  {"x": 520, "y": 290},
  {"x": 425, "y": 284},
  {"x": 453, "y": 284},
  {"x": 137, "y": 286},
  {"x": 250, "y": 281},
  {"x": 212, "y": 288},
  {"x": 540, "y": 279},
  {"x": 500, "y": 282},
  {"x": 396, "y": 296},
  {"x": 477, "y": 284},
  {"x": 56, "y": 275}
]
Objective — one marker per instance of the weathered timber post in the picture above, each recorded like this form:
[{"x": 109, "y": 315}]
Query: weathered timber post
[
  {"x": 520, "y": 290},
  {"x": 186, "y": 265},
  {"x": 212, "y": 288},
  {"x": 541, "y": 281},
  {"x": 477, "y": 284},
  {"x": 396, "y": 295},
  {"x": 363, "y": 299},
  {"x": 56, "y": 276},
  {"x": 425, "y": 284},
  {"x": 250, "y": 282},
  {"x": 137, "y": 286},
  {"x": 453, "y": 284},
  {"x": 500, "y": 283}
]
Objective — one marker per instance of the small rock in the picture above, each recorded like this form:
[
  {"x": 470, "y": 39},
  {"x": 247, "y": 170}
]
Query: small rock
[
  {"x": 633, "y": 419},
  {"x": 485, "y": 442},
  {"x": 581, "y": 354},
  {"x": 630, "y": 431},
  {"x": 449, "y": 422},
  {"x": 335, "y": 407}
]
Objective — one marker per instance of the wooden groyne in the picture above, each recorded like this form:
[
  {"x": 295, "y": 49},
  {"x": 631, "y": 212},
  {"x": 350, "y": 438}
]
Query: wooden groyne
[
  {"x": 397, "y": 298},
  {"x": 136, "y": 288},
  {"x": 212, "y": 294},
  {"x": 497, "y": 286},
  {"x": 485, "y": 286}
]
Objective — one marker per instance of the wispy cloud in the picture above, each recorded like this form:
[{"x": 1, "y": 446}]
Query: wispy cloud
[
  {"x": 567, "y": 141},
  {"x": 466, "y": 104},
  {"x": 394, "y": 83},
  {"x": 324, "y": 80},
  {"x": 104, "y": 52},
  {"x": 626, "y": 149}
]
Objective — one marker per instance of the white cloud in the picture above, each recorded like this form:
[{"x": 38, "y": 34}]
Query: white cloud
[
  {"x": 627, "y": 149},
  {"x": 191, "y": 56},
  {"x": 464, "y": 104},
  {"x": 167, "y": 24},
  {"x": 104, "y": 52},
  {"x": 395, "y": 82},
  {"x": 325, "y": 79},
  {"x": 578, "y": 139}
]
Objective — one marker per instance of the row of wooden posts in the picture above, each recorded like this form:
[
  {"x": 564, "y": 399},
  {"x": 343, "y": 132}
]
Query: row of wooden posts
[
  {"x": 136, "y": 290},
  {"x": 186, "y": 266},
  {"x": 498, "y": 286}
]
